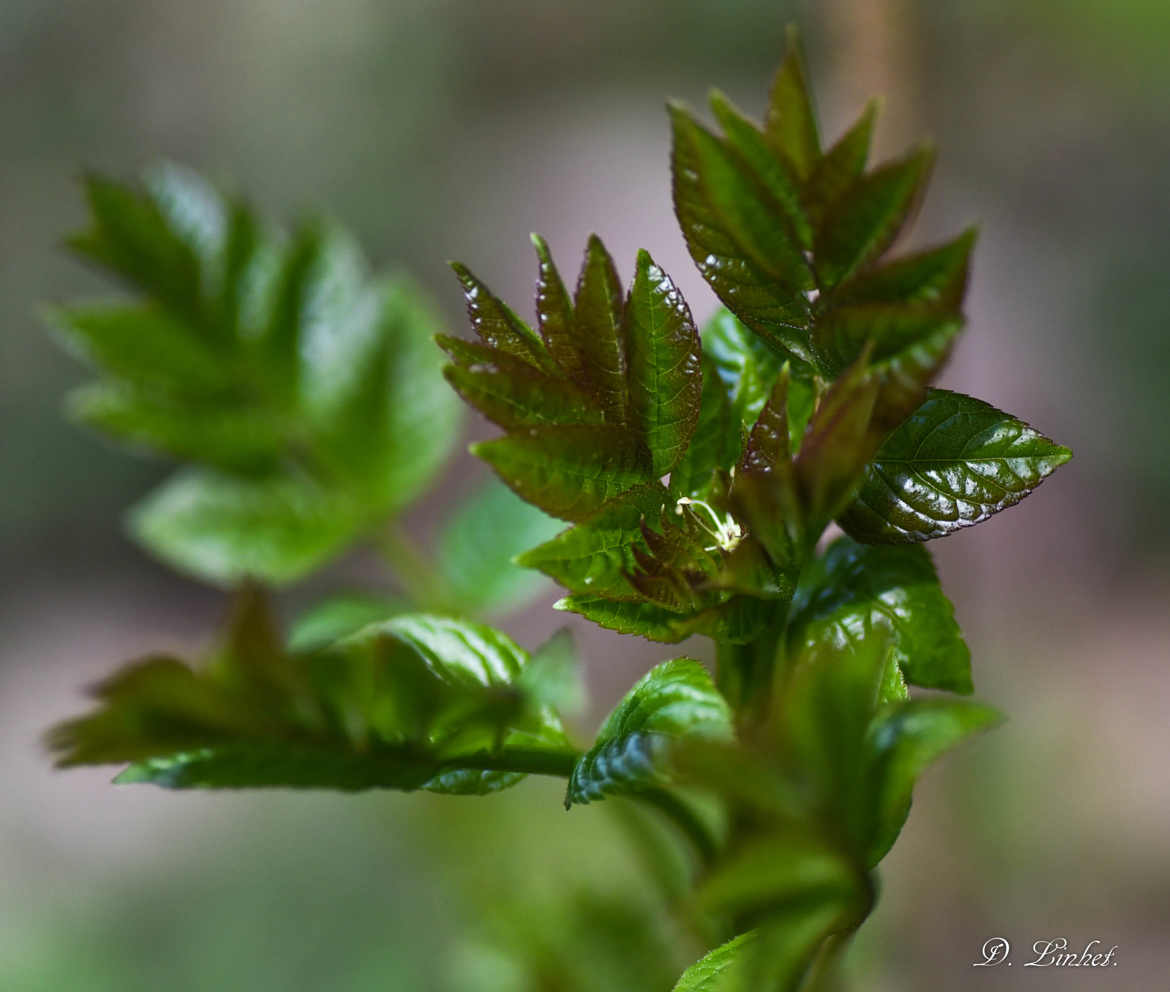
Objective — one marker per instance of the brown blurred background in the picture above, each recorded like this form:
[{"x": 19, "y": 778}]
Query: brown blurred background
[{"x": 452, "y": 128}]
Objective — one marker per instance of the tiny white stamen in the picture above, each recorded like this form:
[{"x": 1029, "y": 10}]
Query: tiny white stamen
[{"x": 727, "y": 532}]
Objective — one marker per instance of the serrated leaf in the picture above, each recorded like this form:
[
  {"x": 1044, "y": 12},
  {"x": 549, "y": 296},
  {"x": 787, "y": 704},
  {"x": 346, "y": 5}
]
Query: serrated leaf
[
  {"x": 765, "y": 492},
  {"x": 495, "y": 323},
  {"x": 417, "y": 701},
  {"x": 839, "y": 440},
  {"x": 953, "y": 463},
  {"x": 676, "y": 699},
  {"x": 662, "y": 352},
  {"x": 510, "y": 392},
  {"x": 595, "y": 556},
  {"x": 837, "y": 170},
  {"x": 739, "y": 238},
  {"x": 936, "y": 276},
  {"x": 479, "y": 543},
  {"x": 569, "y": 472},
  {"x": 791, "y": 121},
  {"x": 716, "y": 443},
  {"x": 598, "y": 331},
  {"x": 901, "y": 743},
  {"x": 275, "y": 362},
  {"x": 772, "y": 172},
  {"x": 611, "y": 397},
  {"x": 893, "y": 330},
  {"x": 852, "y": 589},
  {"x": 868, "y": 218}
]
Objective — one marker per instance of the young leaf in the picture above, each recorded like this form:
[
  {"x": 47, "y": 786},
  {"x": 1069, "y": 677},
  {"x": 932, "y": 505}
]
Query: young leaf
[
  {"x": 569, "y": 472},
  {"x": 839, "y": 168},
  {"x": 715, "y": 446},
  {"x": 662, "y": 352},
  {"x": 596, "y": 556},
  {"x": 852, "y": 589},
  {"x": 739, "y": 237},
  {"x": 311, "y": 392},
  {"x": 953, "y": 463},
  {"x": 413, "y": 702},
  {"x": 900, "y": 744},
  {"x": 868, "y": 218},
  {"x": 720, "y": 970},
  {"x": 606, "y": 399},
  {"x": 791, "y": 121},
  {"x": 791, "y": 240},
  {"x": 676, "y": 699}
]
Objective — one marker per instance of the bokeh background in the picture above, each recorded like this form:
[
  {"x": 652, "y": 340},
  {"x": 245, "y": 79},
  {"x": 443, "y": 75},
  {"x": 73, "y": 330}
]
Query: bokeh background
[{"x": 452, "y": 128}]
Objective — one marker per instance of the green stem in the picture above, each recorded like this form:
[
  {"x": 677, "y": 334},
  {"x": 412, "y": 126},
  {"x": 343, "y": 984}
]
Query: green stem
[
  {"x": 745, "y": 671},
  {"x": 530, "y": 761}
]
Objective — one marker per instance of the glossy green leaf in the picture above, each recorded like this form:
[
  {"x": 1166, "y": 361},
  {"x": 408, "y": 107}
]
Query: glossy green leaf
[
  {"x": 413, "y": 702},
  {"x": 494, "y": 322},
  {"x": 839, "y": 440},
  {"x": 791, "y": 121},
  {"x": 868, "y": 218},
  {"x": 569, "y": 472},
  {"x": 598, "y": 332},
  {"x": 746, "y": 366},
  {"x": 772, "y": 172},
  {"x": 608, "y": 401},
  {"x": 595, "y": 556},
  {"x": 937, "y": 276},
  {"x": 953, "y": 463},
  {"x": 675, "y": 699},
  {"x": 478, "y": 544},
  {"x": 839, "y": 168},
  {"x": 765, "y": 493},
  {"x": 715, "y": 446},
  {"x": 275, "y": 362},
  {"x": 853, "y": 588},
  {"x": 662, "y": 354},
  {"x": 739, "y": 237},
  {"x": 901, "y": 743}
]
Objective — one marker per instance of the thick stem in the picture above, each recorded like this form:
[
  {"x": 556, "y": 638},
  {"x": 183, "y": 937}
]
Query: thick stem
[
  {"x": 745, "y": 672},
  {"x": 533, "y": 761}
]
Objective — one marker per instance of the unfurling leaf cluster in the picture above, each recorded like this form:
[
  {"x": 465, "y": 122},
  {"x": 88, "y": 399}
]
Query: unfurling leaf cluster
[{"x": 697, "y": 473}]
